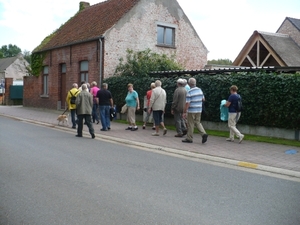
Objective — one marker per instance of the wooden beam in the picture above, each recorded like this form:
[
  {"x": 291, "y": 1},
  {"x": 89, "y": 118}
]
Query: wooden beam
[
  {"x": 257, "y": 52},
  {"x": 265, "y": 60},
  {"x": 250, "y": 60}
]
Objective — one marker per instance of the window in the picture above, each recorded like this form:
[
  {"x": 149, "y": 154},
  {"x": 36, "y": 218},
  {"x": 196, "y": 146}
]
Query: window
[
  {"x": 165, "y": 36},
  {"x": 45, "y": 80},
  {"x": 63, "y": 68},
  {"x": 84, "y": 71}
]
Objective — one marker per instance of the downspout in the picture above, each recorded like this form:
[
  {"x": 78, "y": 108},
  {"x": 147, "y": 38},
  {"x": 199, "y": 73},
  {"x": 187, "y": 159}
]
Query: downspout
[{"x": 101, "y": 60}]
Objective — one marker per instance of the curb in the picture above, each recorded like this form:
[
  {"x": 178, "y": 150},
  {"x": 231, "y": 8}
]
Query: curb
[{"x": 159, "y": 149}]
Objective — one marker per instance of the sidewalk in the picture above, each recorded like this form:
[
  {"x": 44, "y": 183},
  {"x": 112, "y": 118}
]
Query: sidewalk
[{"x": 256, "y": 155}]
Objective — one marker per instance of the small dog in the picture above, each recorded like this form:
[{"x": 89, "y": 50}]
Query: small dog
[{"x": 63, "y": 119}]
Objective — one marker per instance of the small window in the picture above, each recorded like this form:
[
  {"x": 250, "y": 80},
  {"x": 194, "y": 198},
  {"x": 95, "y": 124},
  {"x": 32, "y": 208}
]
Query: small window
[
  {"x": 84, "y": 71},
  {"x": 166, "y": 36},
  {"x": 45, "y": 80},
  {"x": 63, "y": 68}
]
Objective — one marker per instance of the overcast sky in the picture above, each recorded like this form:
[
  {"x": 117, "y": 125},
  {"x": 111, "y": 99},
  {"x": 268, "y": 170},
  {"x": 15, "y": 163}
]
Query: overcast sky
[{"x": 223, "y": 26}]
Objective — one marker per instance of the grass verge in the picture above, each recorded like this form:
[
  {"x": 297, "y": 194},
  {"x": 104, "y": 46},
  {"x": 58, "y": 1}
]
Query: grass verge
[{"x": 249, "y": 137}]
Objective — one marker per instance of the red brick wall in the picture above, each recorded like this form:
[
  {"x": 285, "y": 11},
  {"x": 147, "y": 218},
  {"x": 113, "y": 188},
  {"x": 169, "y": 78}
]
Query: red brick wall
[
  {"x": 8, "y": 83},
  {"x": 71, "y": 56}
]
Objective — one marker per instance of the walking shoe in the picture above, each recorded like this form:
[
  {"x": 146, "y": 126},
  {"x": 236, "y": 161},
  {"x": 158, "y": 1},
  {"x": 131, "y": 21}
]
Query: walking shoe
[
  {"x": 74, "y": 127},
  {"x": 230, "y": 139},
  {"x": 184, "y": 132},
  {"x": 178, "y": 135},
  {"x": 155, "y": 134},
  {"x": 134, "y": 128},
  {"x": 128, "y": 128},
  {"x": 97, "y": 121},
  {"x": 165, "y": 131},
  {"x": 204, "y": 138},
  {"x": 153, "y": 128},
  {"x": 93, "y": 136},
  {"x": 78, "y": 135},
  {"x": 103, "y": 129},
  {"x": 144, "y": 127},
  {"x": 241, "y": 138},
  {"x": 108, "y": 128},
  {"x": 187, "y": 141}
]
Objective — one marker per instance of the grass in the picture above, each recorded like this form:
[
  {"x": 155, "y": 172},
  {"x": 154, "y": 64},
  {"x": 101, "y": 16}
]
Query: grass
[{"x": 249, "y": 137}]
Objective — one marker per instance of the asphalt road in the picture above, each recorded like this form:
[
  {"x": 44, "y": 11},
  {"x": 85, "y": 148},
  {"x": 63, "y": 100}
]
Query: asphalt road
[{"x": 48, "y": 176}]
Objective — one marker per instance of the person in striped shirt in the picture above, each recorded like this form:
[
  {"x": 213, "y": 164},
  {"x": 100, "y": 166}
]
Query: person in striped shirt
[{"x": 193, "y": 110}]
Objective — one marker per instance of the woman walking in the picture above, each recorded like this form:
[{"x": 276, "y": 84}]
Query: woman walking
[{"x": 133, "y": 104}]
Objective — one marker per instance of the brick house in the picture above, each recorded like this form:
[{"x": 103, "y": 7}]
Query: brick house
[
  {"x": 88, "y": 46},
  {"x": 280, "y": 49}
]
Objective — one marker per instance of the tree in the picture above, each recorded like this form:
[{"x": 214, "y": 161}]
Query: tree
[
  {"x": 27, "y": 56},
  {"x": 220, "y": 62},
  {"x": 142, "y": 62},
  {"x": 9, "y": 51}
]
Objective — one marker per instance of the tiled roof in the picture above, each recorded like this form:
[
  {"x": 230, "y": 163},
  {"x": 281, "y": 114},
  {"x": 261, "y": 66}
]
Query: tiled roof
[
  {"x": 6, "y": 62},
  {"x": 89, "y": 23},
  {"x": 295, "y": 22},
  {"x": 285, "y": 47}
]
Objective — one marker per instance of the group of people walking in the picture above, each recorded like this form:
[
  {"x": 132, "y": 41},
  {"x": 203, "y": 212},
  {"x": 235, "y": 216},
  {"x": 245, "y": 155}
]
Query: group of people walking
[
  {"x": 86, "y": 106},
  {"x": 186, "y": 107}
]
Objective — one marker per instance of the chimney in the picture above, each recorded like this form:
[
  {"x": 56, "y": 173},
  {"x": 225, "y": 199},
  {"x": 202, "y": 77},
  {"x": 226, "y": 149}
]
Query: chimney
[{"x": 83, "y": 5}]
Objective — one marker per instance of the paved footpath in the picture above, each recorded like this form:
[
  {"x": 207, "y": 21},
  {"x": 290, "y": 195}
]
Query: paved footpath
[{"x": 256, "y": 155}]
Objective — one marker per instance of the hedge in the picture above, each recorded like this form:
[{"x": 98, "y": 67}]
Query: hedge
[{"x": 269, "y": 99}]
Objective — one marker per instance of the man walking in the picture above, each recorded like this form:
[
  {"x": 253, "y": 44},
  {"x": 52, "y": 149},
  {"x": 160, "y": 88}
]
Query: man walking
[
  {"x": 84, "y": 105},
  {"x": 105, "y": 103},
  {"x": 193, "y": 110},
  {"x": 177, "y": 108},
  {"x": 71, "y": 105},
  {"x": 234, "y": 114}
]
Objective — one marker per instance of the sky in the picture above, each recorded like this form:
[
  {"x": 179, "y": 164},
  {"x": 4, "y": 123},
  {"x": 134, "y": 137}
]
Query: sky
[{"x": 223, "y": 26}]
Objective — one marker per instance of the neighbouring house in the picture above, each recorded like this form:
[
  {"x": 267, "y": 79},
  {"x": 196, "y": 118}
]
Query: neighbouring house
[
  {"x": 88, "y": 46},
  {"x": 12, "y": 71},
  {"x": 280, "y": 49}
]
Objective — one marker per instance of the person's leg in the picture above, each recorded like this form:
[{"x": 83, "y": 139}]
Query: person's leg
[
  {"x": 102, "y": 117},
  {"x": 198, "y": 124},
  {"x": 177, "y": 120},
  {"x": 73, "y": 117},
  {"x": 200, "y": 127},
  {"x": 146, "y": 119},
  {"x": 80, "y": 125},
  {"x": 89, "y": 124},
  {"x": 107, "y": 116},
  {"x": 190, "y": 131},
  {"x": 156, "y": 122},
  {"x": 232, "y": 120},
  {"x": 183, "y": 125}
]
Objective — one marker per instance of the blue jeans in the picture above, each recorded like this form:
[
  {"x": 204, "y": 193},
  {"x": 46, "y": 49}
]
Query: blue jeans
[
  {"x": 105, "y": 116},
  {"x": 95, "y": 113},
  {"x": 73, "y": 117}
]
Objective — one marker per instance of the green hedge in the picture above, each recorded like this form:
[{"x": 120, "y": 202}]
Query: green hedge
[{"x": 270, "y": 100}]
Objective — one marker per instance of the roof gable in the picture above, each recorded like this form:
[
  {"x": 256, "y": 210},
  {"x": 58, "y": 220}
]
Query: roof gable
[
  {"x": 284, "y": 46},
  {"x": 295, "y": 22},
  {"x": 89, "y": 24},
  {"x": 6, "y": 62},
  {"x": 274, "y": 50}
]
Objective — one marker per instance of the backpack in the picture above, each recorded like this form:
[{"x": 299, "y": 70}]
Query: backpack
[
  {"x": 239, "y": 105},
  {"x": 73, "y": 97}
]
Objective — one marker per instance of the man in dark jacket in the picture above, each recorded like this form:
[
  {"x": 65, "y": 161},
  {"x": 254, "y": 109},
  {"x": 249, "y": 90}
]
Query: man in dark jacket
[
  {"x": 105, "y": 103},
  {"x": 84, "y": 105},
  {"x": 178, "y": 105}
]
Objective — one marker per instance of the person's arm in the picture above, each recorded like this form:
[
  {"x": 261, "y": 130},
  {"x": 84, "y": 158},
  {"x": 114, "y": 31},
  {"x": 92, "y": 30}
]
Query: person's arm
[
  {"x": 187, "y": 105},
  {"x": 138, "y": 102},
  {"x": 227, "y": 104}
]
